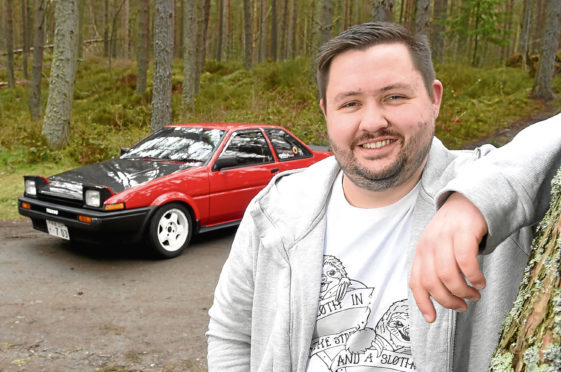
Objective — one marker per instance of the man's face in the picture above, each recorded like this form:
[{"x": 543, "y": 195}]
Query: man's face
[{"x": 380, "y": 117}]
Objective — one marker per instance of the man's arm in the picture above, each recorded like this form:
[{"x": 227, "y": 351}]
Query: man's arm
[
  {"x": 493, "y": 197},
  {"x": 229, "y": 330}
]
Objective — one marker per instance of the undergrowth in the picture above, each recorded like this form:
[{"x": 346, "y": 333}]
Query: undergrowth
[{"x": 108, "y": 115}]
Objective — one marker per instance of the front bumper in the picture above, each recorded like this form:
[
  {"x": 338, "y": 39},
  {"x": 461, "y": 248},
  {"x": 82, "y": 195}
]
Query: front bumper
[{"x": 125, "y": 222}]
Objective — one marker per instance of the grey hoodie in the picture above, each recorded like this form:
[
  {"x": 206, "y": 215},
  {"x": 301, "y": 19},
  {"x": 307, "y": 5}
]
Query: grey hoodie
[{"x": 266, "y": 300}]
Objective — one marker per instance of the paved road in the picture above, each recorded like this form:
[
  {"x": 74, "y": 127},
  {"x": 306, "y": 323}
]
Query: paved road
[{"x": 84, "y": 308}]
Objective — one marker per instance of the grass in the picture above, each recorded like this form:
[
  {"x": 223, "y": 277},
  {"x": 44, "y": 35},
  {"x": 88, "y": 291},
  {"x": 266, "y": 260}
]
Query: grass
[{"x": 108, "y": 115}]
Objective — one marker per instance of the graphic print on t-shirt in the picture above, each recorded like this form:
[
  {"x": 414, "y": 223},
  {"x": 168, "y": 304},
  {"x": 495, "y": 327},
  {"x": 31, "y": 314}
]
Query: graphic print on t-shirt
[{"x": 344, "y": 340}]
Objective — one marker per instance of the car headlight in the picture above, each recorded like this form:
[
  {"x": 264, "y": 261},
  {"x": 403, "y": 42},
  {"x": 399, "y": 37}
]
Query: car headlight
[
  {"x": 34, "y": 184},
  {"x": 92, "y": 198},
  {"x": 30, "y": 188}
]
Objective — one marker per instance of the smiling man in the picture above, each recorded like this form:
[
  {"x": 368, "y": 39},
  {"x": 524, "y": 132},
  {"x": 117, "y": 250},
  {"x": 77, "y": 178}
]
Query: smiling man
[{"x": 367, "y": 261}]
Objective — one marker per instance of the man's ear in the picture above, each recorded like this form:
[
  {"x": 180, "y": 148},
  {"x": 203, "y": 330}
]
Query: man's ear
[
  {"x": 323, "y": 108},
  {"x": 437, "y": 90}
]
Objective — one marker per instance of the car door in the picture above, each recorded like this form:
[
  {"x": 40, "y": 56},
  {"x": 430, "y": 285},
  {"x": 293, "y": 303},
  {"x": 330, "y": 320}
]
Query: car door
[{"x": 242, "y": 169}]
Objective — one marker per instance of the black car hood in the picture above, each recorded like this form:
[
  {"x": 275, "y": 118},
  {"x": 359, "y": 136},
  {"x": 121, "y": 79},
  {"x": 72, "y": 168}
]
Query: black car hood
[{"x": 117, "y": 174}]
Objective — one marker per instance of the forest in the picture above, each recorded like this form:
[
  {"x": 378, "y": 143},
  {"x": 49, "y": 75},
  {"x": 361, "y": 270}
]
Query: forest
[{"x": 79, "y": 79}]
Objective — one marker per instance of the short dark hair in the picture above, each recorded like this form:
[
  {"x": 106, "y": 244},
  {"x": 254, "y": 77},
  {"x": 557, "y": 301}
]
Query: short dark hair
[{"x": 369, "y": 34}]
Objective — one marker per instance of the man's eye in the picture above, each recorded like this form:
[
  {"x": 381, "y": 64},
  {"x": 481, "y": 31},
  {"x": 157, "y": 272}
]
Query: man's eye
[
  {"x": 395, "y": 97},
  {"x": 350, "y": 104}
]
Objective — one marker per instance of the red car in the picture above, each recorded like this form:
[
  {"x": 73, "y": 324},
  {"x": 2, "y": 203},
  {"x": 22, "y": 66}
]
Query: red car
[{"x": 183, "y": 179}]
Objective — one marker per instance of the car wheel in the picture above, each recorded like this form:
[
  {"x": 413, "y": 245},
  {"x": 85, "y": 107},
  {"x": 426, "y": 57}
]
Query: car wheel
[{"x": 170, "y": 230}]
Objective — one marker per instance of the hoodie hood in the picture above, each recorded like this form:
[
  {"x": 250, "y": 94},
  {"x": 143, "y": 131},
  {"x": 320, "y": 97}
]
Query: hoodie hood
[{"x": 117, "y": 174}]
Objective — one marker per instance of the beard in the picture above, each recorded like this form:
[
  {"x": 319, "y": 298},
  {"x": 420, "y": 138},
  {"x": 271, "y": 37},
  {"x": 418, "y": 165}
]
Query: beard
[{"x": 410, "y": 158}]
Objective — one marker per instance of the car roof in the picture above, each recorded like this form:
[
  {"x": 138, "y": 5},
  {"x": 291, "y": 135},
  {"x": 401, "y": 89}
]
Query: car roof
[{"x": 225, "y": 126}]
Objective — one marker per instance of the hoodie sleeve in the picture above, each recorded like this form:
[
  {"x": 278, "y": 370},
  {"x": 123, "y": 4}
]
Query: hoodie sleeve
[
  {"x": 511, "y": 185},
  {"x": 229, "y": 330}
]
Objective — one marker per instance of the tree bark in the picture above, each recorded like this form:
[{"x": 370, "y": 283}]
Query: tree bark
[
  {"x": 422, "y": 16},
  {"x": 248, "y": 35},
  {"x": 56, "y": 127},
  {"x": 526, "y": 24},
  {"x": 382, "y": 10},
  {"x": 189, "y": 52},
  {"x": 438, "y": 29},
  {"x": 10, "y": 42},
  {"x": 274, "y": 30},
  {"x": 143, "y": 45},
  {"x": 531, "y": 333},
  {"x": 202, "y": 28},
  {"x": 163, "y": 58},
  {"x": 326, "y": 21},
  {"x": 262, "y": 31},
  {"x": 37, "y": 69},
  {"x": 25, "y": 26},
  {"x": 550, "y": 39}
]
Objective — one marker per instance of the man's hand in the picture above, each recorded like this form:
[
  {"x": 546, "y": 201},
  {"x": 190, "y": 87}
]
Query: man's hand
[{"x": 446, "y": 256}]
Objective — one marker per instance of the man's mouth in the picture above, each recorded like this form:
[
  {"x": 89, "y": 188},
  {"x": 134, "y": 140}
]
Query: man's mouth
[{"x": 377, "y": 144}]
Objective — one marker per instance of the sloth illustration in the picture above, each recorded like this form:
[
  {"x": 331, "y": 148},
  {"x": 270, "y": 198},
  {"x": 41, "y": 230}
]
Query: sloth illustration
[
  {"x": 391, "y": 333},
  {"x": 335, "y": 281}
]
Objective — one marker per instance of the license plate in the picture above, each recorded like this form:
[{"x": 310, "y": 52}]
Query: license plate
[{"x": 58, "y": 229}]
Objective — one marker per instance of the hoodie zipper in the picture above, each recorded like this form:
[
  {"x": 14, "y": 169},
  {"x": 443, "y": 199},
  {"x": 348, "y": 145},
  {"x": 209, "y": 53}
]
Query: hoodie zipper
[{"x": 452, "y": 337}]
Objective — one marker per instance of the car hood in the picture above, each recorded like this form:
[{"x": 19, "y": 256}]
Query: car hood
[{"x": 117, "y": 174}]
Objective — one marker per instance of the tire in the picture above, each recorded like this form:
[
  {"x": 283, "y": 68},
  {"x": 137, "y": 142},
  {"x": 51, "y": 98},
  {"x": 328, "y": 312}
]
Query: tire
[{"x": 170, "y": 230}]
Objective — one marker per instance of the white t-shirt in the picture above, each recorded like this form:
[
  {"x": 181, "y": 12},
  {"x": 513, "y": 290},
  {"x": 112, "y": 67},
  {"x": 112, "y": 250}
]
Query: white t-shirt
[{"x": 363, "y": 322}]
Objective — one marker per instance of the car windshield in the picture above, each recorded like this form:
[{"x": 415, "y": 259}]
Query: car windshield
[{"x": 179, "y": 144}]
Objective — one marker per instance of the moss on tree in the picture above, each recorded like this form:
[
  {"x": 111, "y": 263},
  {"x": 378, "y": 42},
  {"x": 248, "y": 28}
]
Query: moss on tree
[{"x": 530, "y": 338}]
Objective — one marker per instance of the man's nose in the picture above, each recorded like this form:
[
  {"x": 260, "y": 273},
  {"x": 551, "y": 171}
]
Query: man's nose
[{"x": 373, "y": 118}]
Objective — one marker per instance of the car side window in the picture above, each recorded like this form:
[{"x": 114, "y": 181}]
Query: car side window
[
  {"x": 286, "y": 146},
  {"x": 247, "y": 148}
]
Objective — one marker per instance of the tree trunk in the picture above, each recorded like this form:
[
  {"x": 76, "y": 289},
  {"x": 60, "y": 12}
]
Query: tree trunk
[
  {"x": 284, "y": 31},
  {"x": 248, "y": 35},
  {"x": 25, "y": 26},
  {"x": 189, "y": 52},
  {"x": 81, "y": 10},
  {"x": 262, "y": 33},
  {"x": 220, "y": 36},
  {"x": 37, "y": 69},
  {"x": 163, "y": 58},
  {"x": 531, "y": 333},
  {"x": 550, "y": 40},
  {"x": 438, "y": 29},
  {"x": 106, "y": 46},
  {"x": 274, "y": 30},
  {"x": 143, "y": 45},
  {"x": 326, "y": 21},
  {"x": 382, "y": 10},
  {"x": 204, "y": 15},
  {"x": 526, "y": 23},
  {"x": 10, "y": 42},
  {"x": 56, "y": 127},
  {"x": 422, "y": 16}
]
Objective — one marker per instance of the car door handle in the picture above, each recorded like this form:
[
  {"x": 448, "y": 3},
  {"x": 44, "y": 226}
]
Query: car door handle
[{"x": 274, "y": 170}]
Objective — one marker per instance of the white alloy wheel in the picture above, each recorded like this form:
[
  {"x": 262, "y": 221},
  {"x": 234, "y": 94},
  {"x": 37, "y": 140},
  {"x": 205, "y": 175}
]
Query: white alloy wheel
[
  {"x": 173, "y": 230},
  {"x": 170, "y": 230}
]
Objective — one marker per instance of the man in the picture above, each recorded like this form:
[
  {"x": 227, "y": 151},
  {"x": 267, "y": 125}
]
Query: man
[{"x": 317, "y": 276}]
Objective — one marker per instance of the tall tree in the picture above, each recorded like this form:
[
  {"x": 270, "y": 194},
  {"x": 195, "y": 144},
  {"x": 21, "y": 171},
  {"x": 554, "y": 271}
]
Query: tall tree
[
  {"x": 189, "y": 52},
  {"x": 26, "y": 32},
  {"x": 422, "y": 16},
  {"x": 381, "y": 10},
  {"x": 438, "y": 29},
  {"x": 143, "y": 45},
  {"x": 550, "y": 40},
  {"x": 326, "y": 20},
  {"x": 202, "y": 28},
  {"x": 56, "y": 126},
  {"x": 37, "y": 70},
  {"x": 248, "y": 35},
  {"x": 10, "y": 42},
  {"x": 220, "y": 36},
  {"x": 526, "y": 24},
  {"x": 163, "y": 58},
  {"x": 274, "y": 30},
  {"x": 262, "y": 31}
]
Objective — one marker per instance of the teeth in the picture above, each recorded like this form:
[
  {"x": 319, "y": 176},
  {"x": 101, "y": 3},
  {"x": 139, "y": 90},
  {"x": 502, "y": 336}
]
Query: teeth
[{"x": 376, "y": 145}]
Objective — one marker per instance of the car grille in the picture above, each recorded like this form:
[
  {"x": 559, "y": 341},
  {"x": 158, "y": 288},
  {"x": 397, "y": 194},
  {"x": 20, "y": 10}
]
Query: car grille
[{"x": 59, "y": 200}]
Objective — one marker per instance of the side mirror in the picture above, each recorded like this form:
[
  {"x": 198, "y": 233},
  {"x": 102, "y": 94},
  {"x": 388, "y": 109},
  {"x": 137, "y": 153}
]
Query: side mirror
[
  {"x": 124, "y": 150},
  {"x": 225, "y": 162}
]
